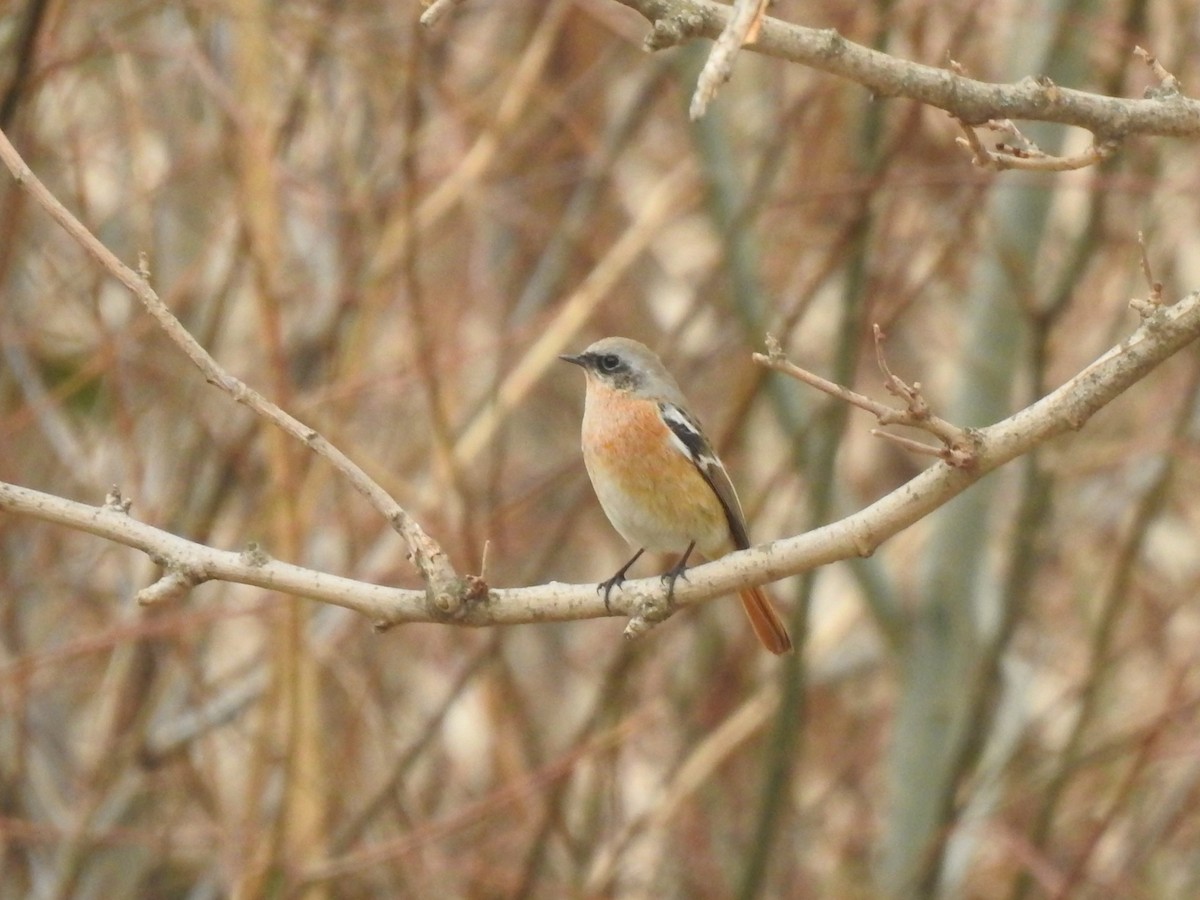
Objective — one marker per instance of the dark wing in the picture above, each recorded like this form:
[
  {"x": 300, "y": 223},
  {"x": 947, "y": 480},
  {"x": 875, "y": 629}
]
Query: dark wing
[{"x": 695, "y": 445}]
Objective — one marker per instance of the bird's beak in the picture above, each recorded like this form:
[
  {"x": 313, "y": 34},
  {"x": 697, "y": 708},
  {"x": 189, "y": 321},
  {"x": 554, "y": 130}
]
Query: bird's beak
[{"x": 577, "y": 360}]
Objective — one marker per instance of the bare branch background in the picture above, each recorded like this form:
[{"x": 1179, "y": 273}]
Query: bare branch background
[{"x": 390, "y": 230}]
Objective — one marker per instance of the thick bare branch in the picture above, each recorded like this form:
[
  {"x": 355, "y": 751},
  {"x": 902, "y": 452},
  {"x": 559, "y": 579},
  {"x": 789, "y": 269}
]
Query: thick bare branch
[
  {"x": 198, "y": 563},
  {"x": 1167, "y": 113}
]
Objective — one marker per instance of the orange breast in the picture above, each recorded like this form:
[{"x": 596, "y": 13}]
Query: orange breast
[{"x": 652, "y": 493}]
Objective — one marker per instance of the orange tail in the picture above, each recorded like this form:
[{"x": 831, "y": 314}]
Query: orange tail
[{"x": 765, "y": 621}]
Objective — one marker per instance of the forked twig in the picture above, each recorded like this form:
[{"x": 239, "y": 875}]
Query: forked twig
[
  {"x": 1147, "y": 306},
  {"x": 959, "y": 445},
  {"x": 1025, "y": 154}
]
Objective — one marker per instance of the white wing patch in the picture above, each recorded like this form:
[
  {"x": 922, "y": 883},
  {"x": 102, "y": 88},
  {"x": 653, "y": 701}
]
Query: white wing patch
[{"x": 687, "y": 437}]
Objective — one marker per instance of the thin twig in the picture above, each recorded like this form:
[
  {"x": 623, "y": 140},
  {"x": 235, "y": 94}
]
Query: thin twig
[
  {"x": 1169, "y": 85},
  {"x": 438, "y": 8},
  {"x": 741, "y": 29},
  {"x": 908, "y": 443},
  {"x": 1028, "y": 157},
  {"x": 958, "y": 443},
  {"x": 1147, "y": 306}
]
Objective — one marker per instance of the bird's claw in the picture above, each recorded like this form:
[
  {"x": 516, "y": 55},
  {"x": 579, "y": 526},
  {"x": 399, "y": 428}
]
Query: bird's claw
[{"x": 606, "y": 588}]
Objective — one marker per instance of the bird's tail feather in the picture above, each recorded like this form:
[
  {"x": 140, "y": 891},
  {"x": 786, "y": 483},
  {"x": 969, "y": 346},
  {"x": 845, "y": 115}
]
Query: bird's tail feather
[{"x": 765, "y": 620}]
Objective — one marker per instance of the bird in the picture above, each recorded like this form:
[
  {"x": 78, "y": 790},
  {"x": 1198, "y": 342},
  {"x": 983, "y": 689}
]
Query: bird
[{"x": 656, "y": 476}]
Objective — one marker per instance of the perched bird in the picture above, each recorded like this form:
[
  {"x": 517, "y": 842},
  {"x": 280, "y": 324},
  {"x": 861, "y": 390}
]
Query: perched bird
[{"x": 655, "y": 474}]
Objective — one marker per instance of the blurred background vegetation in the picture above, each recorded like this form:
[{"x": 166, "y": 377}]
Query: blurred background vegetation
[{"x": 374, "y": 224}]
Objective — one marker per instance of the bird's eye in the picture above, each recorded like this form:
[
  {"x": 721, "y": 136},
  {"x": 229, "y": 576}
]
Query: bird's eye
[{"x": 610, "y": 362}]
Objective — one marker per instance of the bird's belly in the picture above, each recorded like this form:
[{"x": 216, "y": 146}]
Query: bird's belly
[{"x": 659, "y": 521}]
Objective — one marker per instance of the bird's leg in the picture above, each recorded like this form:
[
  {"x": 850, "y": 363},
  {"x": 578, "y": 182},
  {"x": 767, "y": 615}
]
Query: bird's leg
[
  {"x": 617, "y": 579},
  {"x": 672, "y": 574}
]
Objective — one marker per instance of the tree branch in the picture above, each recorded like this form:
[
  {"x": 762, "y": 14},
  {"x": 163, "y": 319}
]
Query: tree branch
[
  {"x": 1163, "y": 332},
  {"x": 1166, "y": 112},
  {"x": 446, "y": 589}
]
